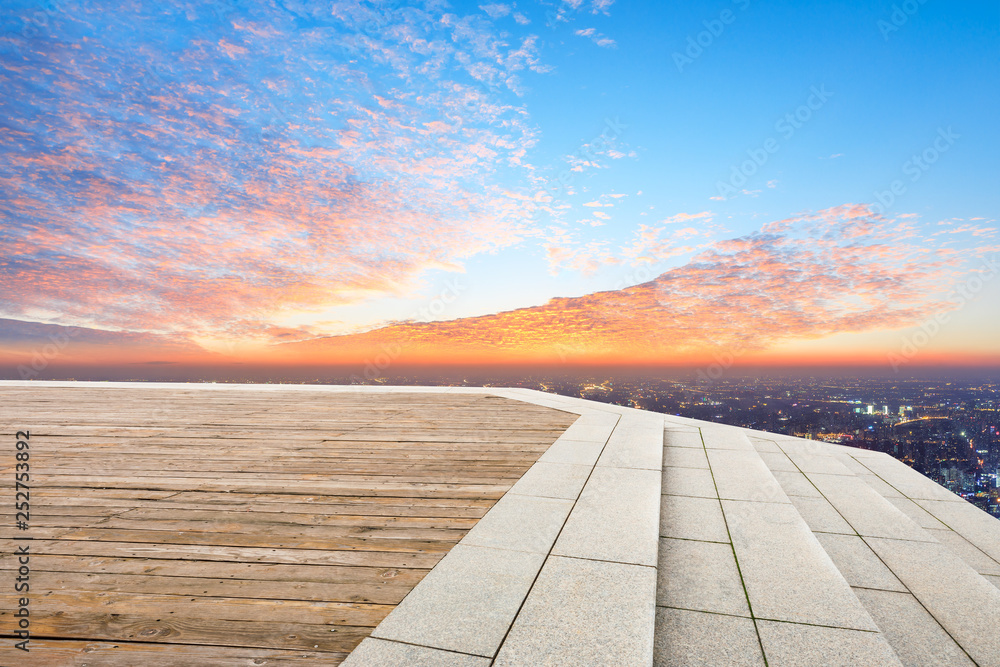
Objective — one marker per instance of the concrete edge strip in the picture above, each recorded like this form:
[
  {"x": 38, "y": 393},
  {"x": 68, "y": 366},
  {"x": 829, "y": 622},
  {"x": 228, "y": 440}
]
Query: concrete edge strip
[{"x": 598, "y": 585}]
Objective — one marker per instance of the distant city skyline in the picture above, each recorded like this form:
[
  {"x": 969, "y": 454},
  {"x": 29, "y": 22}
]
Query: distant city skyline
[{"x": 552, "y": 184}]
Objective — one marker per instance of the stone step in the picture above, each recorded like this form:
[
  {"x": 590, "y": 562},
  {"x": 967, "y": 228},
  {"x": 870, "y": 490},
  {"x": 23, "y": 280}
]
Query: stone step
[
  {"x": 741, "y": 575},
  {"x": 915, "y": 574},
  {"x": 972, "y": 534}
]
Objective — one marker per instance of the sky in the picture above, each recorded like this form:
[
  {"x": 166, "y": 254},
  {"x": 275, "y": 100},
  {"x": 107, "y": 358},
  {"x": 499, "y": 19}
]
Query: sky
[{"x": 561, "y": 182}]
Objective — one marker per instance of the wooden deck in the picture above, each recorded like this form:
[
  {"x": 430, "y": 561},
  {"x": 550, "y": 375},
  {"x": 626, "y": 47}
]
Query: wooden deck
[{"x": 242, "y": 527}]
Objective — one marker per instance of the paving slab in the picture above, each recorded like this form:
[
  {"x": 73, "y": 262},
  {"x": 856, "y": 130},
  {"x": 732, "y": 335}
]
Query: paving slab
[
  {"x": 466, "y": 603},
  {"x": 777, "y": 461},
  {"x": 801, "y": 445},
  {"x": 697, "y": 639},
  {"x": 690, "y": 518},
  {"x": 881, "y": 487},
  {"x": 795, "y": 645},
  {"x": 726, "y": 437},
  {"x": 579, "y": 452},
  {"x": 521, "y": 523},
  {"x": 552, "y": 480},
  {"x": 968, "y": 552},
  {"x": 545, "y": 399},
  {"x": 382, "y": 653},
  {"x": 917, "y": 514},
  {"x": 865, "y": 509},
  {"x": 820, "y": 515},
  {"x": 908, "y": 481},
  {"x": 811, "y": 463},
  {"x": 672, "y": 438},
  {"x": 970, "y": 522},
  {"x": 700, "y": 576},
  {"x": 858, "y": 563},
  {"x": 962, "y": 601},
  {"x": 688, "y": 482},
  {"x": 849, "y": 450},
  {"x": 592, "y": 427},
  {"x": 917, "y": 639},
  {"x": 615, "y": 519},
  {"x": 685, "y": 457},
  {"x": 677, "y": 420},
  {"x": 796, "y": 484},
  {"x": 849, "y": 462},
  {"x": 635, "y": 443},
  {"x": 764, "y": 445},
  {"x": 583, "y": 612},
  {"x": 670, "y": 426},
  {"x": 742, "y": 475},
  {"x": 787, "y": 574}
]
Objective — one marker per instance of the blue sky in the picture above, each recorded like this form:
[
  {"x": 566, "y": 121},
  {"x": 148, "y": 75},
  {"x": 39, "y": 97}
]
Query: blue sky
[{"x": 891, "y": 91}]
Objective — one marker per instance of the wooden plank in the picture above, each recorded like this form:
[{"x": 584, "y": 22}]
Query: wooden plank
[
  {"x": 202, "y": 608},
  {"x": 403, "y": 489},
  {"x": 372, "y": 591},
  {"x": 178, "y": 526},
  {"x": 161, "y": 537},
  {"x": 167, "y": 567},
  {"x": 270, "y": 503},
  {"x": 115, "y": 516},
  {"x": 242, "y": 525},
  {"x": 179, "y": 629},
  {"x": 72, "y": 653},
  {"x": 210, "y": 553}
]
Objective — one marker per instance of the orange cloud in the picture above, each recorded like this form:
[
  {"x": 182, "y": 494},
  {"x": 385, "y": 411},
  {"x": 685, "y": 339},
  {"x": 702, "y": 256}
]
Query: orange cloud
[{"x": 836, "y": 271}]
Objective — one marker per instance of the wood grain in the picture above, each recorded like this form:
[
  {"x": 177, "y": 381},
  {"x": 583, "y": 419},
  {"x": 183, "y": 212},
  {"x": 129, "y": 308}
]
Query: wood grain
[{"x": 183, "y": 526}]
